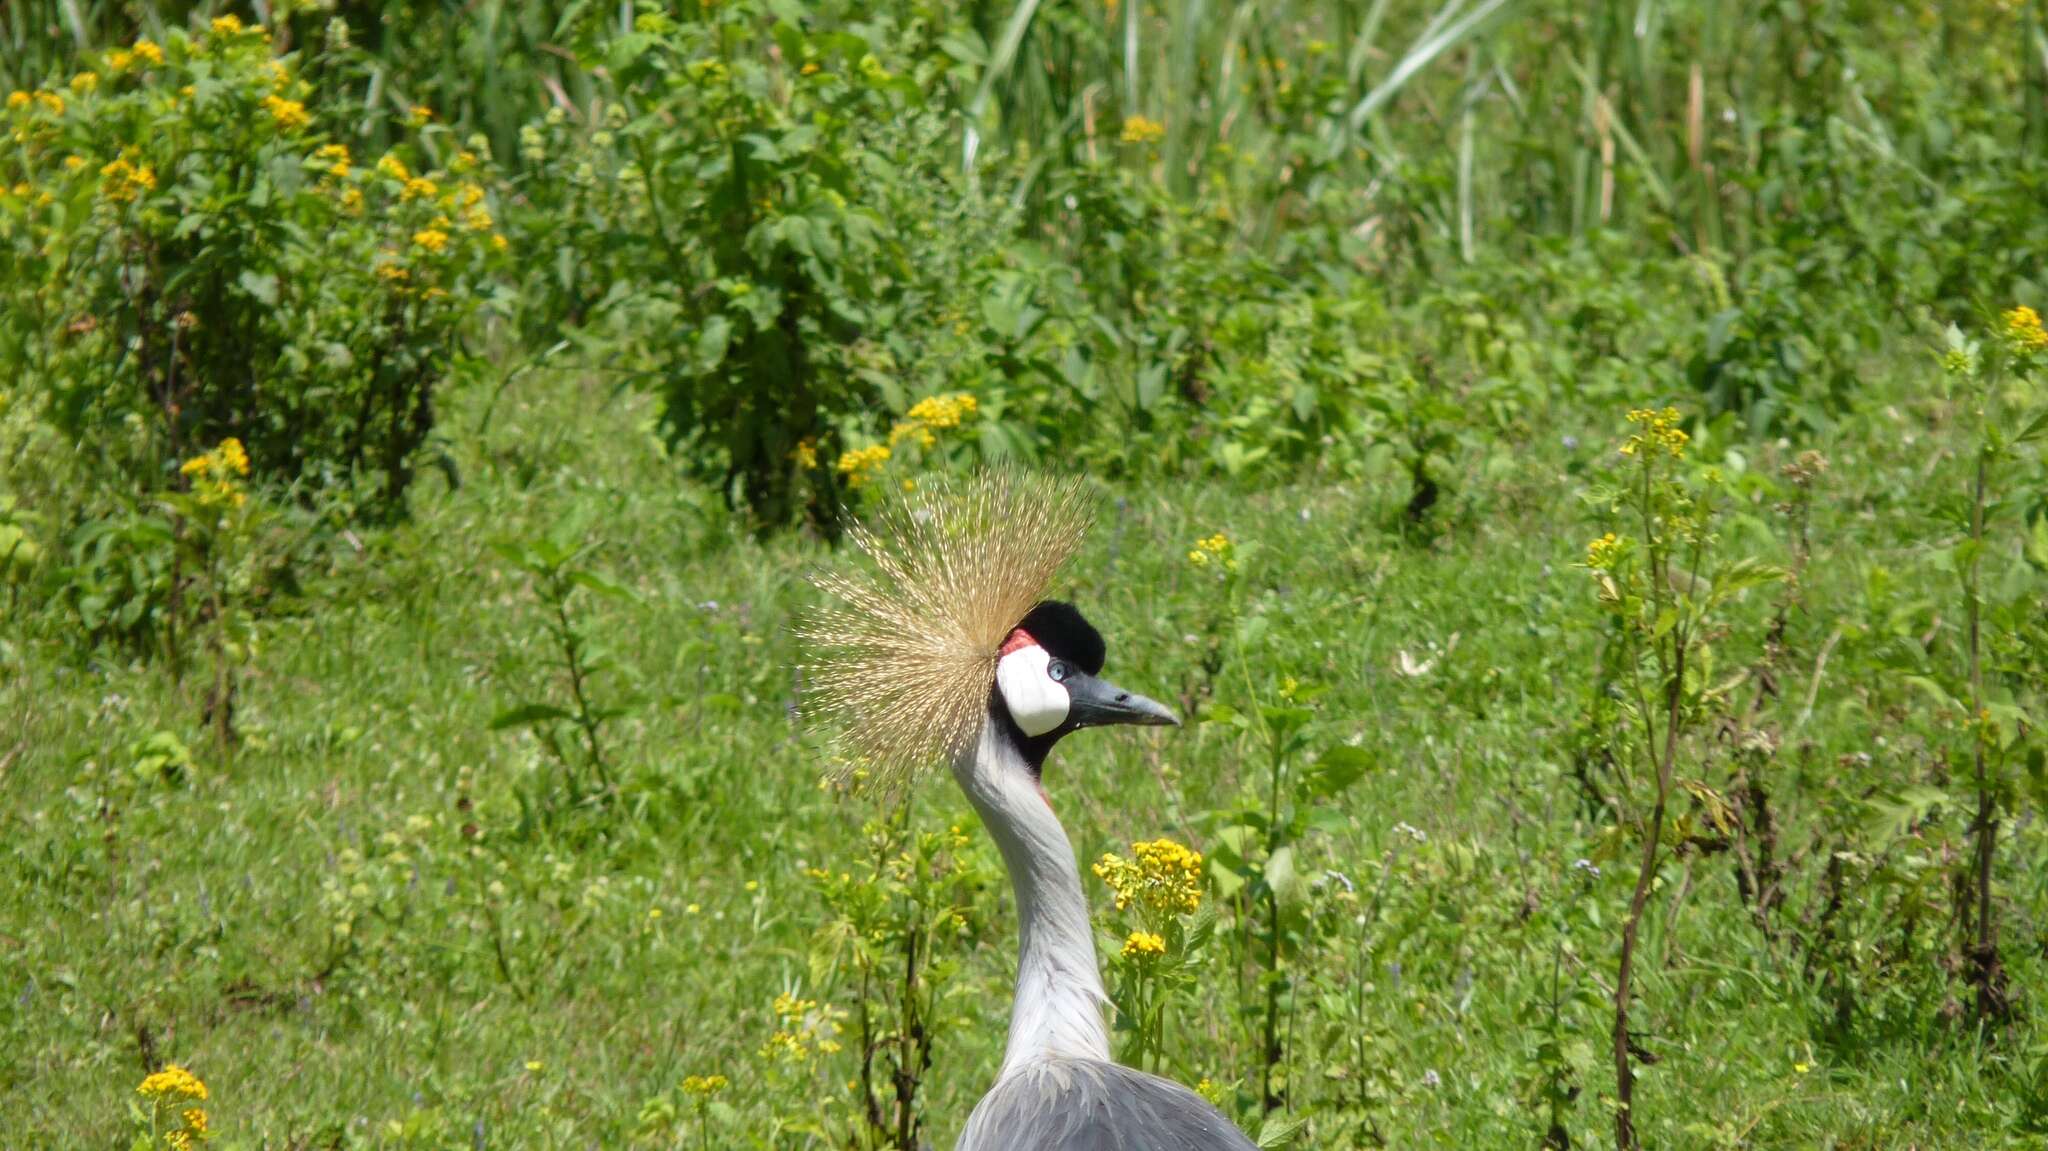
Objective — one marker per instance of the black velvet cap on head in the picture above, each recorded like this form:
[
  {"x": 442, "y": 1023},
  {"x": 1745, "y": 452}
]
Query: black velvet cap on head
[{"x": 1065, "y": 634}]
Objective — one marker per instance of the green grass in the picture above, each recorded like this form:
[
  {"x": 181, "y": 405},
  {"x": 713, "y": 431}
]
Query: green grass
[{"x": 193, "y": 921}]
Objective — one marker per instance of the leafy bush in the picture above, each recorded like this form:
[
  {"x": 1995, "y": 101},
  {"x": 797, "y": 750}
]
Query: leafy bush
[{"x": 185, "y": 256}]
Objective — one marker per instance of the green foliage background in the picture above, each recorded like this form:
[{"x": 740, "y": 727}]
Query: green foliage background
[{"x": 445, "y": 793}]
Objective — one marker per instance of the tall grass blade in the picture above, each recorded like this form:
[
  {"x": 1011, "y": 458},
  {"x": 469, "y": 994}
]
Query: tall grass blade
[
  {"x": 998, "y": 68},
  {"x": 1419, "y": 57}
]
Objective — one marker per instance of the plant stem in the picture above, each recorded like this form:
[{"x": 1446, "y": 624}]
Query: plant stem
[
  {"x": 1984, "y": 958},
  {"x": 572, "y": 649}
]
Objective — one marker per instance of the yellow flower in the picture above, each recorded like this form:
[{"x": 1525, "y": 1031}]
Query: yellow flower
[
  {"x": 17, "y": 100},
  {"x": 52, "y": 101},
  {"x": 1163, "y": 876},
  {"x": 943, "y": 411},
  {"x": 290, "y": 115},
  {"x": 806, "y": 1030},
  {"x": 419, "y": 115},
  {"x": 2023, "y": 329},
  {"x": 1142, "y": 130},
  {"x": 1144, "y": 945},
  {"x": 213, "y": 476},
  {"x": 911, "y": 429},
  {"x": 534, "y": 1065},
  {"x": 499, "y": 243},
  {"x": 73, "y": 163},
  {"x": 119, "y": 60},
  {"x": 390, "y": 165},
  {"x": 704, "y": 1086},
  {"x": 195, "y": 1121},
  {"x": 419, "y": 188},
  {"x": 806, "y": 456},
  {"x": 1601, "y": 553},
  {"x": 85, "y": 82},
  {"x": 352, "y": 200},
  {"x": 336, "y": 157},
  {"x": 1216, "y": 549},
  {"x": 860, "y": 464},
  {"x": 432, "y": 239},
  {"x": 125, "y": 181},
  {"x": 1660, "y": 432},
  {"x": 228, "y": 25},
  {"x": 278, "y": 73},
  {"x": 477, "y": 220},
  {"x": 173, "y": 1082},
  {"x": 148, "y": 50}
]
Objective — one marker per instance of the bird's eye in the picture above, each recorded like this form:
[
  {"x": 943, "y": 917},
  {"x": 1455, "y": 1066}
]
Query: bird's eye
[{"x": 1057, "y": 669}]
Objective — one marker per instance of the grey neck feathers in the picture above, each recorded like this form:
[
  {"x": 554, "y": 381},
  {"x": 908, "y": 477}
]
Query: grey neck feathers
[{"x": 1059, "y": 1000}]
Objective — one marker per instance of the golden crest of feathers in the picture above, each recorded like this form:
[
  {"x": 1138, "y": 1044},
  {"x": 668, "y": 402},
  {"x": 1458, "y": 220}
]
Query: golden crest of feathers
[{"x": 903, "y": 664}]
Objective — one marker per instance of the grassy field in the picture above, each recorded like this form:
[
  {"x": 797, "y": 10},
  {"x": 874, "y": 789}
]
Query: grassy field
[
  {"x": 1577, "y": 468},
  {"x": 361, "y": 934}
]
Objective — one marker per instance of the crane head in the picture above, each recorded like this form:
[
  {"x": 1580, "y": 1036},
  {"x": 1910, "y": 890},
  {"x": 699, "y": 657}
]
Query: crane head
[{"x": 1048, "y": 682}]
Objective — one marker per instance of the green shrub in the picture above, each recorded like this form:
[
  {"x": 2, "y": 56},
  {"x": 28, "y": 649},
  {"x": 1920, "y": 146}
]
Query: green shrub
[{"x": 185, "y": 256}]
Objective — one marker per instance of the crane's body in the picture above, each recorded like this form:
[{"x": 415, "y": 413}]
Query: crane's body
[{"x": 951, "y": 655}]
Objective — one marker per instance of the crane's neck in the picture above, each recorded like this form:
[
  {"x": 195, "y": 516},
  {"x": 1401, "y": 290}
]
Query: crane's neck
[{"x": 1059, "y": 1000}]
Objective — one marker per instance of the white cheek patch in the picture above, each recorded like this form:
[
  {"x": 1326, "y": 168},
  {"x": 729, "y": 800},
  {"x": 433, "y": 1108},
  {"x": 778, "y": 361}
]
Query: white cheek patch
[{"x": 1035, "y": 701}]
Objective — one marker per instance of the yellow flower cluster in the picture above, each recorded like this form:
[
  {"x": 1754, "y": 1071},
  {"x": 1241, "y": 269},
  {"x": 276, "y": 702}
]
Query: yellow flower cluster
[
  {"x": 122, "y": 59},
  {"x": 336, "y": 157},
  {"x": 860, "y": 465},
  {"x": 933, "y": 413},
  {"x": 1601, "y": 553},
  {"x": 171, "y": 1084},
  {"x": 126, "y": 180},
  {"x": 804, "y": 1030},
  {"x": 419, "y": 188},
  {"x": 944, "y": 411},
  {"x": 2023, "y": 329},
  {"x": 704, "y": 1086},
  {"x": 390, "y": 165},
  {"x": 1217, "y": 549},
  {"x": 228, "y": 25},
  {"x": 214, "y": 475},
  {"x": 1163, "y": 877},
  {"x": 431, "y": 239},
  {"x": 419, "y": 115},
  {"x": 1144, "y": 945},
  {"x": 289, "y": 115},
  {"x": 1142, "y": 130},
  {"x": 1660, "y": 432},
  {"x": 85, "y": 82},
  {"x": 805, "y": 453}
]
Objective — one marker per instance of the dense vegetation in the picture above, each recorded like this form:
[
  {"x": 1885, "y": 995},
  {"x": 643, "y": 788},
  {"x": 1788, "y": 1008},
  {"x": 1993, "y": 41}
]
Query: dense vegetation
[{"x": 1578, "y": 466}]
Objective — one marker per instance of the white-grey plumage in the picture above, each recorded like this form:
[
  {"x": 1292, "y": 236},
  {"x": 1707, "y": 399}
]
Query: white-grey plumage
[
  {"x": 1058, "y": 1089},
  {"x": 949, "y": 652}
]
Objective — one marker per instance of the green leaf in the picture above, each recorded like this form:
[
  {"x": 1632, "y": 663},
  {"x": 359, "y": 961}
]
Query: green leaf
[
  {"x": 602, "y": 585},
  {"x": 1280, "y": 1130},
  {"x": 527, "y": 715},
  {"x": 1338, "y": 768},
  {"x": 1935, "y": 692}
]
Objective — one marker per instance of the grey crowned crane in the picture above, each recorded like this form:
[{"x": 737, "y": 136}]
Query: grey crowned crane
[{"x": 949, "y": 653}]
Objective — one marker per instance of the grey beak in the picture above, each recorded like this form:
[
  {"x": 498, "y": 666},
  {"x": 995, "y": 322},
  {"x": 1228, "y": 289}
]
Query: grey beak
[{"x": 1099, "y": 703}]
